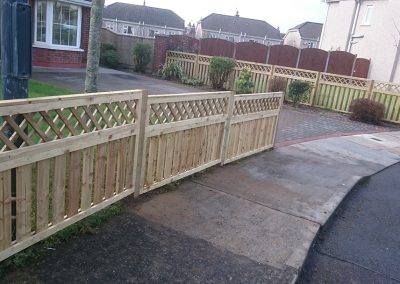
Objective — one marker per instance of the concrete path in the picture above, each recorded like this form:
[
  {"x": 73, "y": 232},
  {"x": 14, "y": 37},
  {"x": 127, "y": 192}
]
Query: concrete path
[
  {"x": 248, "y": 222},
  {"x": 108, "y": 80},
  {"x": 361, "y": 242},
  {"x": 269, "y": 208}
]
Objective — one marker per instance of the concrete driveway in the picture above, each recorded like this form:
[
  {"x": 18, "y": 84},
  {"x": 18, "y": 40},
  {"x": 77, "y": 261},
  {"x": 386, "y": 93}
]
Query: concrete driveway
[{"x": 108, "y": 80}]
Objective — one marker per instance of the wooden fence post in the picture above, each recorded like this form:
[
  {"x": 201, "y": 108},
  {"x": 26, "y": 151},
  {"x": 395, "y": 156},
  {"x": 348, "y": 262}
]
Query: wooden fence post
[
  {"x": 227, "y": 127},
  {"x": 139, "y": 162},
  {"x": 281, "y": 99},
  {"x": 196, "y": 68},
  {"x": 315, "y": 93},
  {"x": 270, "y": 77},
  {"x": 370, "y": 90}
]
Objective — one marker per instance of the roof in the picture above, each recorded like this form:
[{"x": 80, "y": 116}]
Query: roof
[
  {"x": 309, "y": 30},
  {"x": 238, "y": 25},
  {"x": 140, "y": 13}
]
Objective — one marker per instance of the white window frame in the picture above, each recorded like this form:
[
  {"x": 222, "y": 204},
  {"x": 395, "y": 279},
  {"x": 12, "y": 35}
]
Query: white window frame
[
  {"x": 49, "y": 29},
  {"x": 368, "y": 15}
]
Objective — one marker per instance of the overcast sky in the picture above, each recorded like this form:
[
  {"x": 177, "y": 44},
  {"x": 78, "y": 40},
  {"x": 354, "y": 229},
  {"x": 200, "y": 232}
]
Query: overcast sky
[{"x": 279, "y": 13}]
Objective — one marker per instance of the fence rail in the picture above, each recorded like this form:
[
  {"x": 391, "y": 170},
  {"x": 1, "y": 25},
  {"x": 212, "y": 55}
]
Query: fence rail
[
  {"x": 330, "y": 91},
  {"x": 65, "y": 158}
]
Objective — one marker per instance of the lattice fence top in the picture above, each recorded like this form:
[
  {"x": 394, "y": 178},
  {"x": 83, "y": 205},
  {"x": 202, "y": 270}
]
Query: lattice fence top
[
  {"x": 344, "y": 80},
  {"x": 42, "y": 121},
  {"x": 248, "y": 105},
  {"x": 295, "y": 73},
  {"x": 253, "y": 66},
  {"x": 204, "y": 59},
  {"x": 181, "y": 55},
  {"x": 387, "y": 87},
  {"x": 185, "y": 109}
]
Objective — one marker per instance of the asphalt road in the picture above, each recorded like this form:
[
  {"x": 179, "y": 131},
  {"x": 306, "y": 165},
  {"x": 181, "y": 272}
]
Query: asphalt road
[{"x": 361, "y": 244}]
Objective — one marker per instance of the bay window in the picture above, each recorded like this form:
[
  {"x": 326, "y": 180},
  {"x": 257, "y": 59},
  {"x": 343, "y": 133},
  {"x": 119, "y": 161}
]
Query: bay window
[{"x": 57, "y": 25}]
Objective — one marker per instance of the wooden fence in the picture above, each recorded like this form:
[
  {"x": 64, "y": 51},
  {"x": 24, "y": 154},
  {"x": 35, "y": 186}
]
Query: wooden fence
[
  {"x": 65, "y": 158},
  {"x": 330, "y": 91}
]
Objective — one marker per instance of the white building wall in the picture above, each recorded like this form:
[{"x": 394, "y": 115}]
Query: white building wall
[
  {"x": 293, "y": 38},
  {"x": 379, "y": 37},
  {"x": 376, "y": 40},
  {"x": 337, "y": 25}
]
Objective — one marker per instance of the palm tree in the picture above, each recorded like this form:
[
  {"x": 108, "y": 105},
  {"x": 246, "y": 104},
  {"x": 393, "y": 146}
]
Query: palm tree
[{"x": 96, "y": 17}]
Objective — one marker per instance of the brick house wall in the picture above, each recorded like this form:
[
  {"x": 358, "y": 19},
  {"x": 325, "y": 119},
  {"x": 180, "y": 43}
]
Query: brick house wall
[{"x": 64, "y": 58}]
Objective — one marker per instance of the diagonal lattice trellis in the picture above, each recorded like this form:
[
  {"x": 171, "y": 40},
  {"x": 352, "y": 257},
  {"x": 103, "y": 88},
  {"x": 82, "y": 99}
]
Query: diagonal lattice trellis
[
  {"x": 347, "y": 81},
  {"x": 246, "y": 106},
  {"x": 177, "y": 111},
  {"x": 387, "y": 87},
  {"x": 295, "y": 73},
  {"x": 27, "y": 129}
]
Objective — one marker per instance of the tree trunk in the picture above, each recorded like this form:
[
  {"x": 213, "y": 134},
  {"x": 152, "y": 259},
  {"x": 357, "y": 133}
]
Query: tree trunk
[{"x": 93, "y": 59}]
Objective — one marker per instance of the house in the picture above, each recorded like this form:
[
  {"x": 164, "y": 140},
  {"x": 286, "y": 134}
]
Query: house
[
  {"x": 60, "y": 32},
  {"x": 370, "y": 29},
  {"x": 141, "y": 20},
  {"x": 238, "y": 29},
  {"x": 305, "y": 35}
]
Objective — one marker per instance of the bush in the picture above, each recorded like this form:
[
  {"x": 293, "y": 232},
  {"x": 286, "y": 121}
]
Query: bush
[
  {"x": 172, "y": 70},
  {"x": 191, "y": 81},
  {"x": 244, "y": 85},
  {"x": 109, "y": 56},
  {"x": 299, "y": 91},
  {"x": 142, "y": 56},
  {"x": 366, "y": 110},
  {"x": 278, "y": 84},
  {"x": 220, "y": 69}
]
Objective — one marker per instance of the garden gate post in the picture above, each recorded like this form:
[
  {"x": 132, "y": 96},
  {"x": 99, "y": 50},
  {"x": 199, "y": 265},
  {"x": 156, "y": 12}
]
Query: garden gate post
[
  {"x": 270, "y": 77},
  {"x": 227, "y": 127},
  {"x": 370, "y": 90},
  {"x": 315, "y": 92},
  {"x": 139, "y": 161}
]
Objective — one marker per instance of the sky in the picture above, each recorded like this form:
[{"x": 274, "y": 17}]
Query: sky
[{"x": 284, "y": 14}]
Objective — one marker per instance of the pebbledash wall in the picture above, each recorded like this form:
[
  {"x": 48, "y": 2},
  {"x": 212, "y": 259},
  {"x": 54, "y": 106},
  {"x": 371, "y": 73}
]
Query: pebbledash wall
[{"x": 47, "y": 57}]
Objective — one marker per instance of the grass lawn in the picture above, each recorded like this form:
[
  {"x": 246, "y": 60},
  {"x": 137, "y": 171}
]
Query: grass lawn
[{"x": 38, "y": 89}]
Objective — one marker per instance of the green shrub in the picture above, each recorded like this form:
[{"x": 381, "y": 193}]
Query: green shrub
[
  {"x": 366, "y": 110},
  {"x": 299, "y": 91},
  {"x": 220, "y": 69},
  {"x": 142, "y": 56},
  {"x": 172, "y": 70},
  {"x": 109, "y": 56},
  {"x": 277, "y": 84},
  {"x": 244, "y": 85},
  {"x": 191, "y": 81}
]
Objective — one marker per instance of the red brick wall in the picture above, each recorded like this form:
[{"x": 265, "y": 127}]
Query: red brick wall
[
  {"x": 61, "y": 58},
  {"x": 174, "y": 42}
]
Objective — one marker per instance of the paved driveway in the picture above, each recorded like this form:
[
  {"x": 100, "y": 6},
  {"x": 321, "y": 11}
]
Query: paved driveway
[{"x": 108, "y": 80}]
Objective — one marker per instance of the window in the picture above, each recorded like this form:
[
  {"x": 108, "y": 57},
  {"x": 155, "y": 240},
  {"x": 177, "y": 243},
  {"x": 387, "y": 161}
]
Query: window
[
  {"x": 57, "y": 24},
  {"x": 110, "y": 26},
  {"x": 368, "y": 15},
  {"x": 153, "y": 33}
]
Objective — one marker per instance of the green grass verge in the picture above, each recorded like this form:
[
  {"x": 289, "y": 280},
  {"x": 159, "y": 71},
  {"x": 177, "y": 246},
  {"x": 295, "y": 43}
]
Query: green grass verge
[
  {"x": 38, "y": 89},
  {"x": 41, "y": 249}
]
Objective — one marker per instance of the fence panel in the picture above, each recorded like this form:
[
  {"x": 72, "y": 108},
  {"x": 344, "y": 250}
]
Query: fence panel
[
  {"x": 253, "y": 125},
  {"x": 62, "y": 159},
  {"x": 337, "y": 92},
  {"x": 183, "y": 136},
  {"x": 389, "y": 95}
]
